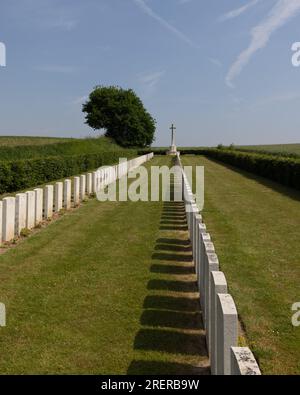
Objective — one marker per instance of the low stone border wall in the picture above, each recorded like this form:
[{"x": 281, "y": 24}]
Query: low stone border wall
[
  {"x": 27, "y": 210},
  {"x": 218, "y": 308}
]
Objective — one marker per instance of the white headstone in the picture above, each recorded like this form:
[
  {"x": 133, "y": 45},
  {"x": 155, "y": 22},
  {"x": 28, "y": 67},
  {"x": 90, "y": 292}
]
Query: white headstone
[
  {"x": 212, "y": 265},
  {"x": 95, "y": 181},
  {"x": 218, "y": 286},
  {"x": 48, "y": 201},
  {"x": 89, "y": 183},
  {"x": 38, "y": 205},
  {"x": 21, "y": 205},
  {"x": 82, "y": 187},
  {"x": 9, "y": 210},
  {"x": 243, "y": 362},
  {"x": 208, "y": 248},
  {"x": 227, "y": 332},
  {"x": 67, "y": 194},
  {"x": 30, "y": 209},
  {"x": 76, "y": 191},
  {"x": 58, "y": 203}
]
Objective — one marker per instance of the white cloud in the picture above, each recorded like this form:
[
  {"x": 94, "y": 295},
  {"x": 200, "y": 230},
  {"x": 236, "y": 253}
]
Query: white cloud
[
  {"x": 148, "y": 11},
  {"x": 149, "y": 81},
  {"x": 238, "y": 11},
  {"x": 278, "y": 16}
]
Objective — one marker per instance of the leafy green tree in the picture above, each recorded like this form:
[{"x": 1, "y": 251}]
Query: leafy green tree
[{"x": 121, "y": 114}]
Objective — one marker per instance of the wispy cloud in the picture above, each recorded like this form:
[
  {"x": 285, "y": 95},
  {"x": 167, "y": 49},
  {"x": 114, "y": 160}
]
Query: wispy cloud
[
  {"x": 148, "y": 11},
  {"x": 280, "y": 14},
  {"x": 238, "y": 11},
  {"x": 149, "y": 81}
]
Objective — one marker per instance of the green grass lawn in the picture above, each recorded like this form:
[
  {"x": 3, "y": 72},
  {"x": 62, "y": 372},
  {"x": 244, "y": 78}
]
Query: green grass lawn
[
  {"x": 15, "y": 148},
  {"x": 11, "y": 141},
  {"x": 254, "y": 224},
  {"x": 107, "y": 288}
]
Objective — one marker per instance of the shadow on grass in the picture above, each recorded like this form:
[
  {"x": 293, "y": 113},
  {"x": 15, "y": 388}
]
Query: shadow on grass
[
  {"x": 175, "y": 217},
  {"x": 162, "y": 256},
  {"x": 172, "y": 303},
  {"x": 175, "y": 248},
  {"x": 171, "y": 322},
  {"x": 176, "y": 242},
  {"x": 171, "y": 342},
  {"x": 169, "y": 368},
  {"x": 171, "y": 319},
  {"x": 173, "y": 222},
  {"x": 172, "y": 285},
  {"x": 182, "y": 228},
  {"x": 170, "y": 269}
]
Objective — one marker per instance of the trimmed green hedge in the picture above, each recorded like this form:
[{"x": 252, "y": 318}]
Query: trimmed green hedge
[
  {"x": 20, "y": 174},
  {"x": 286, "y": 171}
]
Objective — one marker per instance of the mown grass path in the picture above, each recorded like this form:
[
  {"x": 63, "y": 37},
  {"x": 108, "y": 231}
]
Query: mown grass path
[
  {"x": 107, "y": 288},
  {"x": 254, "y": 224}
]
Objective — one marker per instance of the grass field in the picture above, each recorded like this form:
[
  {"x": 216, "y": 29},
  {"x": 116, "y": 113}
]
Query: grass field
[
  {"x": 285, "y": 149},
  {"x": 254, "y": 224},
  {"x": 107, "y": 288},
  {"x": 275, "y": 148},
  {"x": 52, "y": 147},
  {"x": 11, "y": 141}
]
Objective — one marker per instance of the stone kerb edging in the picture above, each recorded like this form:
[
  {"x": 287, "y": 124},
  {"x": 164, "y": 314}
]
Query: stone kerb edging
[
  {"x": 28, "y": 210},
  {"x": 218, "y": 308}
]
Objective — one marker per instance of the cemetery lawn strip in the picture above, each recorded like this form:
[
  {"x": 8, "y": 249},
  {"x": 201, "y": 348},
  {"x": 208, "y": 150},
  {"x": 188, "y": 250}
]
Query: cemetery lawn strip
[
  {"x": 254, "y": 224},
  {"x": 75, "y": 295}
]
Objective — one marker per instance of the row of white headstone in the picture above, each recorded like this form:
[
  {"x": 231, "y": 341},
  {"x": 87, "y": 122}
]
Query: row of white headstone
[
  {"x": 29, "y": 209},
  {"x": 219, "y": 312}
]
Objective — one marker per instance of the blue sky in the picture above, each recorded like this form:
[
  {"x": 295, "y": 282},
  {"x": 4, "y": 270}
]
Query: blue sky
[{"x": 220, "y": 70}]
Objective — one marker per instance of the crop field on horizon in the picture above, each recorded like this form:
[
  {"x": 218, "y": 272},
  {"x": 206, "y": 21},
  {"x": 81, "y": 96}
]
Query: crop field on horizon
[{"x": 273, "y": 148}]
